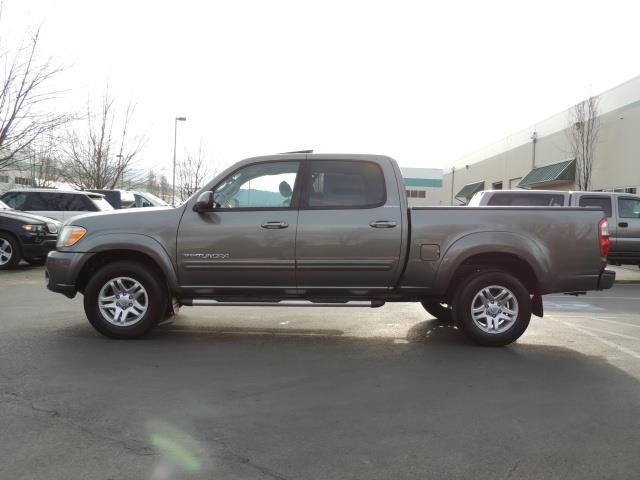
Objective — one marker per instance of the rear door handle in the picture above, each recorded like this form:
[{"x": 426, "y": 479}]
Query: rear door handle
[
  {"x": 623, "y": 224},
  {"x": 382, "y": 224},
  {"x": 274, "y": 225}
]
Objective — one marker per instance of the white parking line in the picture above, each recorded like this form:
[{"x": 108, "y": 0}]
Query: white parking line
[
  {"x": 606, "y": 332},
  {"x": 603, "y": 319},
  {"x": 604, "y": 341},
  {"x": 593, "y": 297}
]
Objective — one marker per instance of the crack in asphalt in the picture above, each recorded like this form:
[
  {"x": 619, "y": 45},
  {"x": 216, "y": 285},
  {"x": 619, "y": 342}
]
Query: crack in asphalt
[
  {"x": 247, "y": 461},
  {"x": 13, "y": 397}
]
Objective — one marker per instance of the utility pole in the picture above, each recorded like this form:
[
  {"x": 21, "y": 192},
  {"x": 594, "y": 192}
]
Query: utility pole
[
  {"x": 453, "y": 177},
  {"x": 534, "y": 140},
  {"x": 175, "y": 143}
]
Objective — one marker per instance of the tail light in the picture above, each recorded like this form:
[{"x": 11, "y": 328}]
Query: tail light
[{"x": 603, "y": 236}]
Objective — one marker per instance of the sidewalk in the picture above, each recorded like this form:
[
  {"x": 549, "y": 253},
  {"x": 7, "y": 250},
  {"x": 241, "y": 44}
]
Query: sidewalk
[{"x": 626, "y": 273}]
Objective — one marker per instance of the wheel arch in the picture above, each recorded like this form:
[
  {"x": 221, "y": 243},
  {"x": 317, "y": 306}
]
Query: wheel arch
[
  {"x": 134, "y": 247},
  {"x": 520, "y": 256}
]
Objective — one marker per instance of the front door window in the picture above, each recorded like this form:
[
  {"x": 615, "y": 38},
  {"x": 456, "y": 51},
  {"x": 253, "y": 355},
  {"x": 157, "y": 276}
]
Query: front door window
[{"x": 260, "y": 186}]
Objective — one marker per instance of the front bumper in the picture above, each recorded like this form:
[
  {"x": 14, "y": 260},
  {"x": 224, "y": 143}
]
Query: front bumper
[
  {"x": 62, "y": 270},
  {"x": 606, "y": 279},
  {"x": 35, "y": 249}
]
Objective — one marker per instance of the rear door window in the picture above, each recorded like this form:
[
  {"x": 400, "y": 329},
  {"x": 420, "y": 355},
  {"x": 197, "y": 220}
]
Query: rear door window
[
  {"x": 629, "y": 207},
  {"x": 42, "y": 202},
  {"x": 526, "y": 200},
  {"x": 345, "y": 184},
  {"x": 76, "y": 203},
  {"x": 603, "y": 203}
]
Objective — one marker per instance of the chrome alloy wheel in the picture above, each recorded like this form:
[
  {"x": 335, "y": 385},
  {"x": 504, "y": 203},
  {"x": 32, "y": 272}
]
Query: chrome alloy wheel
[
  {"x": 6, "y": 252},
  {"x": 494, "y": 309},
  {"x": 123, "y": 301}
]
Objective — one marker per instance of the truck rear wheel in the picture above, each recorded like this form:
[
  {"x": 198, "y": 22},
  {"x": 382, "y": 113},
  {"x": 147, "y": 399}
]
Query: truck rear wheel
[
  {"x": 438, "y": 310},
  {"x": 124, "y": 300},
  {"x": 493, "y": 308}
]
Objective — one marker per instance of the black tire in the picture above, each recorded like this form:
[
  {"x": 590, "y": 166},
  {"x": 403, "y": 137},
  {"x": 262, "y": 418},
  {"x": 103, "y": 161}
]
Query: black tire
[
  {"x": 156, "y": 303},
  {"x": 36, "y": 261},
  {"x": 438, "y": 310},
  {"x": 12, "y": 255},
  {"x": 464, "y": 302}
]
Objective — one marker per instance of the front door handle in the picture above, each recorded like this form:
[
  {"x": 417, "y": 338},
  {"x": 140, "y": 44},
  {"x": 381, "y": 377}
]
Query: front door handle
[
  {"x": 274, "y": 225},
  {"x": 382, "y": 224},
  {"x": 623, "y": 224}
]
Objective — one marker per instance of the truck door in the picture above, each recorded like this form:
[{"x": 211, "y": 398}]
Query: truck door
[
  {"x": 628, "y": 226},
  {"x": 349, "y": 226},
  {"x": 248, "y": 240}
]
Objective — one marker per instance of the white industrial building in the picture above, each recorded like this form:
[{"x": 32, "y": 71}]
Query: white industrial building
[
  {"x": 424, "y": 186},
  {"x": 539, "y": 156}
]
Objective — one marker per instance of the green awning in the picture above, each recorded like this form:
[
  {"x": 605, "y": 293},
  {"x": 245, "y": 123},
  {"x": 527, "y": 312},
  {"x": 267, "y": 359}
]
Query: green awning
[
  {"x": 423, "y": 182},
  {"x": 470, "y": 190},
  {"x": 561, "y": 172}
]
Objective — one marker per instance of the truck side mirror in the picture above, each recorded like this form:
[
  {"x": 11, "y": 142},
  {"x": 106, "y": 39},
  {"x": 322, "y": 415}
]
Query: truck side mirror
[{"x": 204, "y": 203}]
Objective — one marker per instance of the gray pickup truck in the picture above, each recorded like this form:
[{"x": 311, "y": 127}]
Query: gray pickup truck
[{"x": 327, "y": 230}]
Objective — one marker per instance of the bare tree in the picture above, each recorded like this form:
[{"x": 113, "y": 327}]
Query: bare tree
[
  {"x": 23, "y": 97},
  {"x": 94, "y": 155},
  {"x": 43, "y": 159},
  {"x": 192, "y": 172},
  {"x": 152, "y": 182},
  {"x": 164, "y": 189},
  {"x": 583, "y": 130}
]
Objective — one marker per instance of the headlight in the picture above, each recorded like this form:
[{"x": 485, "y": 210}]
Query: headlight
[
  {"x": 69, "y": 235},
  {"x": 52, "y": 227},
  {"x": 33, "y": 228}
]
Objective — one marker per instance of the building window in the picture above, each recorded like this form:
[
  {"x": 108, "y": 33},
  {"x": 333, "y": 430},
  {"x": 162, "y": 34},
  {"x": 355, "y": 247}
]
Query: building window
[
  {"x": 496, "y": 186},
  {"x": 416, "y": 194},
  {"x": 4, "y": 178},
  {"x": 22, "y": 181}
]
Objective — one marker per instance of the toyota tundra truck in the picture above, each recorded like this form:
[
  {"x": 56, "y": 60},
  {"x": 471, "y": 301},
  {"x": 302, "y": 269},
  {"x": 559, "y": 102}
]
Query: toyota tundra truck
[{"x": 316, "y": 230}]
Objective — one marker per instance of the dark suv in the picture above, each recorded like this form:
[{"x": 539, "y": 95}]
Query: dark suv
[{"x": 25, "y": 236}]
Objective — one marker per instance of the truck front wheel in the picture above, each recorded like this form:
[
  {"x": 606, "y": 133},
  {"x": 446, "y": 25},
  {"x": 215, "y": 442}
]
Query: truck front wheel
[
  {"x": 124, "y": 300},
  {"x": 493, "y": 308}
]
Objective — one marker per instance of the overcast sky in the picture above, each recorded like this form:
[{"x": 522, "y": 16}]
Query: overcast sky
[{"x": 423, "y": 82}]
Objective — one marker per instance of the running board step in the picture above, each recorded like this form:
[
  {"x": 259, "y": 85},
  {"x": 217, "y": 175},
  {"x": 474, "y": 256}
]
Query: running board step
[{"x": 205, "y": 302}]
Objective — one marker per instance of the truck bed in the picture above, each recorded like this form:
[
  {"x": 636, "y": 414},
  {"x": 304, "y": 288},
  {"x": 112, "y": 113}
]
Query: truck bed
[{"x": 559, "y": 244}]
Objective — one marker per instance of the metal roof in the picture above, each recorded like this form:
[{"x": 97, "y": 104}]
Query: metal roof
[
  {"x": 561, "y": 172},
  {"x": 470, "y": 190}
]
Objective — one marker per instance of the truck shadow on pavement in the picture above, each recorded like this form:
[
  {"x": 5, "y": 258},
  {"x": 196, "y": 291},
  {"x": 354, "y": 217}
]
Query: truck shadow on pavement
[
  {"x": 428, "y": 331},
  {"x": 316, "y": 404}
]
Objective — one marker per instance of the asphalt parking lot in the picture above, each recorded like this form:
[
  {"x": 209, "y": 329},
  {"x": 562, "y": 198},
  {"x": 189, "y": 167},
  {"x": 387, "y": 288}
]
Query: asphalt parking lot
[{"x": 246, "y": 393}]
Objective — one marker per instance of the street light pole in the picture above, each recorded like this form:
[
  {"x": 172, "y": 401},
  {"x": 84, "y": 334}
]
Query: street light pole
[{"x": 175, "y": 143}]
